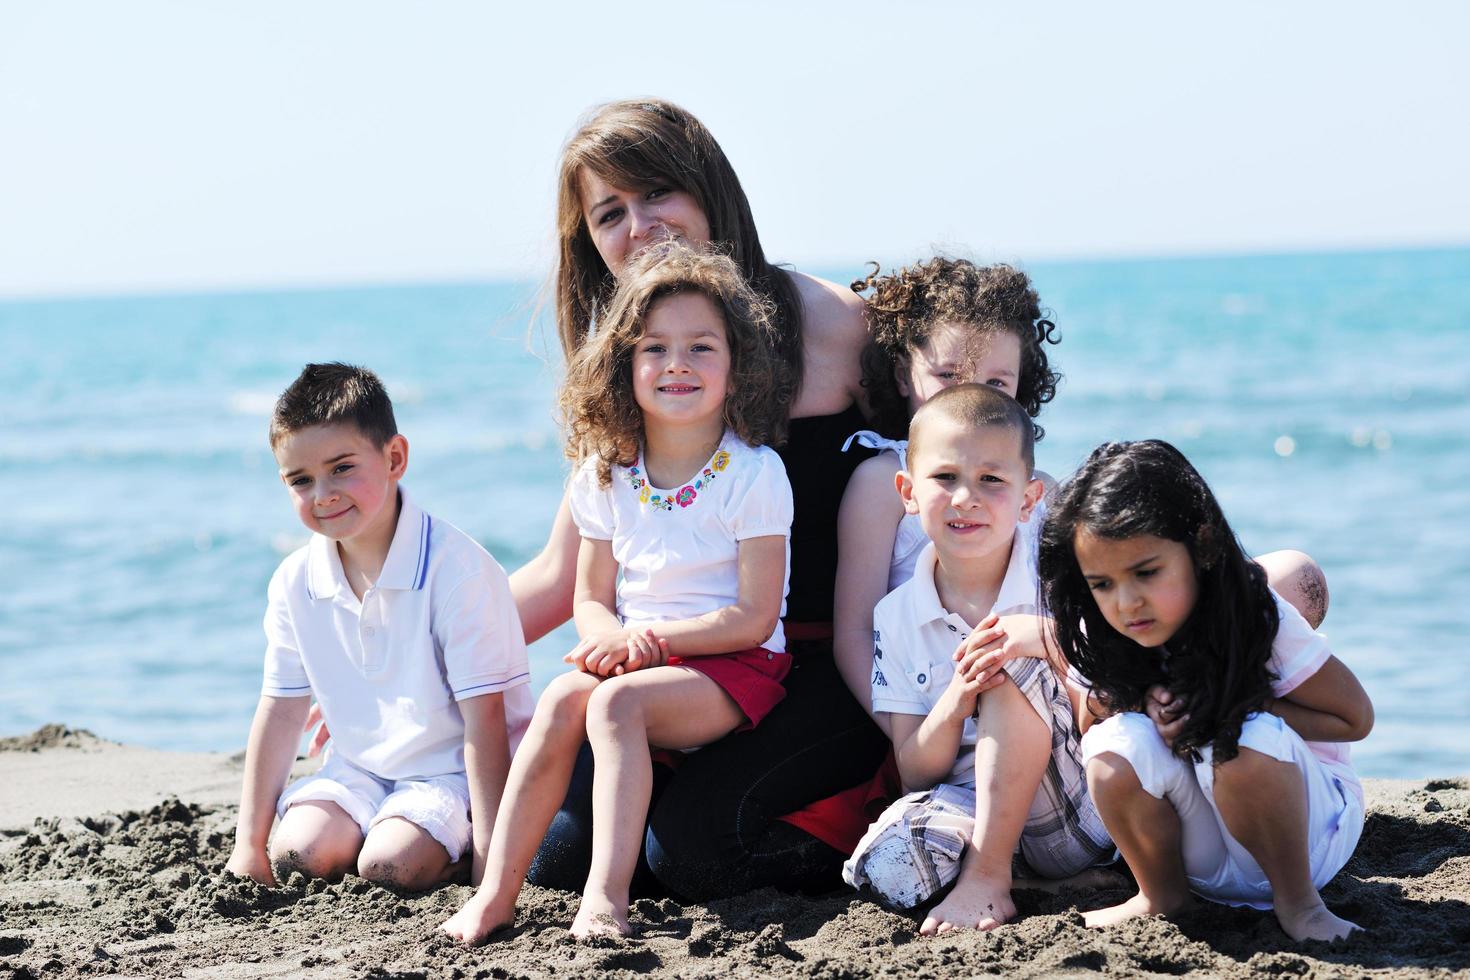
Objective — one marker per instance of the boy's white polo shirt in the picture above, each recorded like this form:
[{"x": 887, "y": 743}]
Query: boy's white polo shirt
[
  {"x": 914, "y": 639},
  {"x": 438, "y": 627}
]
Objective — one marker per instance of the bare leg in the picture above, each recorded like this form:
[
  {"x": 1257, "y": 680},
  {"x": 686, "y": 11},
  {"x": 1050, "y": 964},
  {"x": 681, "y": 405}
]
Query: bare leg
[
  {"x": 1264, "y": 805},
  {"x": 671, "y": 707},
  {"x": 1148, "y": 832},
  {"x": 317, "y": 838},
  {"x": 399, "y": 853},
  {"x": 534, "y": 789},
  {"x": 1011, "y": 754},
  {"x": 1299, "y": 580}
]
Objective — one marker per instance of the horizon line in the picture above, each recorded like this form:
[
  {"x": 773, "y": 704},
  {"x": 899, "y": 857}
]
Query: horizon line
[{"x": 366, "y": 283}]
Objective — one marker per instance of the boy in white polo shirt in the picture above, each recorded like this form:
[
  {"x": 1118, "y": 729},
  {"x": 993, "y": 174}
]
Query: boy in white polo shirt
[
  {"x": 993, "y": 773},
  {"x": 404, "y": 630}
]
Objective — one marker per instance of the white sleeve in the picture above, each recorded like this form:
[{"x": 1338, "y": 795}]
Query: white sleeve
[
  {"x": 476, "y": 626},
  {"x": 285, "y": 677},
  {"x": 761, "y": 504},
  {"x": 1298, "y": 651},
  {"x": 893, "y": 691},
  {"x": 591, "y": 504}
]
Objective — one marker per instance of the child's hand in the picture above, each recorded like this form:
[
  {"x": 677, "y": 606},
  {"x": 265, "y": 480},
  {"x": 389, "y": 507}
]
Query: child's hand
[
  {"x": 982, "y": 654},
  {"x": 602, "y": 654},
  {"x": 321, "y": 736},
  {"x": 1166, "y": 712},
  {"x": 962, "y": 695},
  {"x": 250, "y": 862},
  {"x": 645, "y": 650}
]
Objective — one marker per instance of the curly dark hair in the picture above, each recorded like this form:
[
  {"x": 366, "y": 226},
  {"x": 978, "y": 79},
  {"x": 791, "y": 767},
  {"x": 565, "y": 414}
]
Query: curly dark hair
[
  {"x": 904, "y": 307},
  {"x": 603, "y": 419},
  {"x": 1218, "y": 661}
]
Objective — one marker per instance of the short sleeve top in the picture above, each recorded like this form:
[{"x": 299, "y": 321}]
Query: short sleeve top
[
  {"x": 678, "y": 548},
  {"x": 1297, "y": 653},
  {"x": 914, "y": 638},
  {"x": 438, "y": 626}
]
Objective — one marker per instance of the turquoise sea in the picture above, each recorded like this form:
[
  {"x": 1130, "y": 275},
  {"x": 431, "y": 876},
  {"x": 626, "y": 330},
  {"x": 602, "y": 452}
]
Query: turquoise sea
[{"x": 1326, "y": 397}]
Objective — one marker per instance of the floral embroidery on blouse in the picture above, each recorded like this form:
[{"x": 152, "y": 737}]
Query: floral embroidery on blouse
[{"x": 685, "y": 495}]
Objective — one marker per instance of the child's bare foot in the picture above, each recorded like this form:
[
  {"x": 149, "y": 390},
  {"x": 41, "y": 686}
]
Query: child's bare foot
[
  {"x": 598, "y": 915},
  {"x": 1138, "y": 906},
  {"x": 974, "y": 903},
  {"x": 479, "y": 917},
  {"x": 1314, "y": 922}
]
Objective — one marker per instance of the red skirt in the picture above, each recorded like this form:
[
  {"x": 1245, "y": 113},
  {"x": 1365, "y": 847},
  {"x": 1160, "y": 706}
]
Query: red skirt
[{"x": 751, "y": 677}]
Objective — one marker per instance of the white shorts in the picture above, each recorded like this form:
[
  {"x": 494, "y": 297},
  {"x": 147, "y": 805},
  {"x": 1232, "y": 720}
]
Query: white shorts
[
  {"x": 1218, "y": 867},
  {"x": 439, "y": 804}
]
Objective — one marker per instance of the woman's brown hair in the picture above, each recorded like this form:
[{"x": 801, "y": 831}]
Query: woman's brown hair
[
  {"x": 601, "y": 415},
  {"x": 636, "y": 144},
  {"x": 904, "y": 307}
]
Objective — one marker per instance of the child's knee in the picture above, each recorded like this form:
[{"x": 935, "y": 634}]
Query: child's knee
[
  {"x": 401, "y": 854},
  {"x": 1300, "y": 581},
  {"x": 565, "y": 700},
  {"x": 1111, "y": 778},
  {"x": 398, "y": 870},
  {"x": 315, "y": 857},
  {"x": 614, "y": 704},
  {"x": 317, "y": 838},
  {"x": 903, "y": 870},
  {"x": 1251, "y": 771}
]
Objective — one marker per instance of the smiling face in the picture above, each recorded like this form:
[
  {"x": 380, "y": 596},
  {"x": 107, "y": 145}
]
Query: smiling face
[
  {"x": 681, "y": 364},
  {"x": 341, "y": 484},
  {"x": 970, "y": 487},
  {"x": 957, "y": 353},
  {"x": 623, "y": 221},
  {"x": 1145, "y": 586}
]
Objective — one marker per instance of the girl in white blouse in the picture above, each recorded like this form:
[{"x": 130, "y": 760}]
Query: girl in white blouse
[{"x": 670, "y": 406}]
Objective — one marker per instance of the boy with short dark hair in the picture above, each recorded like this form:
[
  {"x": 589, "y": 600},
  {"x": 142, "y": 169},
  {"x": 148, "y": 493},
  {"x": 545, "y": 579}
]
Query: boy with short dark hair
[
  {"x": 404, "y": 630},
  {"x": 993, "y": 772}
]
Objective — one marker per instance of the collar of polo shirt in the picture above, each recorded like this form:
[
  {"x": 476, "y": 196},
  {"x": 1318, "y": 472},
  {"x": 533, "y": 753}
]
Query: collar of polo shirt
[
  {"x": 1017, "y": 590},
  {"x": 405, "y": 568}
]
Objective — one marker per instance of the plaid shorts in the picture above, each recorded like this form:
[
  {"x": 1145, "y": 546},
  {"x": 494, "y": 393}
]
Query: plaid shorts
[{"x": 913, "y": 850}]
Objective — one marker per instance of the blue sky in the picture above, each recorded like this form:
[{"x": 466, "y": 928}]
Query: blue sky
[{"x": 191, "y": 145}]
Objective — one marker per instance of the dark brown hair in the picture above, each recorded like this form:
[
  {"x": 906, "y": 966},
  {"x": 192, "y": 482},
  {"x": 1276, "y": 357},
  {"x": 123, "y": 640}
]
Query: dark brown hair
[
  {"x": 904, "y": 307},
  {"x": 1219, "y": 659},
  {"x": 602, "y": 417},
  {"x": 643, "y": 143},
  {"x": 324, "y": 394}
]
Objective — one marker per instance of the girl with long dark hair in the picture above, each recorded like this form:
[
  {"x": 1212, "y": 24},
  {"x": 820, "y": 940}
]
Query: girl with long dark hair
[{"x": 1217, "y": 723}]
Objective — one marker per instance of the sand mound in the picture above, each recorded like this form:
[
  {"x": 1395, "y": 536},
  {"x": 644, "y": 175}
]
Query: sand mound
[
  {"x": 52, "y": 737},
  {"x": 142, "y": 893}
]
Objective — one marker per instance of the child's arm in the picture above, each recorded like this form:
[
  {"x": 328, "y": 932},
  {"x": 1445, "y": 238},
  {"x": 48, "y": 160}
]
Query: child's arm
[
  {"x": 925, "y": 747},
  {"x": 274, "y": 735},
  {"x": 1329, "y": 706},
  {"x": 486, "y": 763},
  {"x": 603, "y": 648},
  {"x": 867, "y": 525},
  {"x": 753, "y": 617}
]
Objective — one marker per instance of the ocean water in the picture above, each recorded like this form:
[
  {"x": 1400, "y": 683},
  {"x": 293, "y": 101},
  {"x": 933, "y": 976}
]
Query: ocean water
[{"x": 1326, "y": 398}]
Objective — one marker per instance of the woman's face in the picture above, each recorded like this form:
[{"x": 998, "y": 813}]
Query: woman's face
[{"x": 624, "y": 221}]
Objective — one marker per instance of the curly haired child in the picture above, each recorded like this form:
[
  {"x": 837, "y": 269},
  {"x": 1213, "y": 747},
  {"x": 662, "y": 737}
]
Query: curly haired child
[
  {"x": 670, "y": 408},
  {"x": 933, "y": 324}
]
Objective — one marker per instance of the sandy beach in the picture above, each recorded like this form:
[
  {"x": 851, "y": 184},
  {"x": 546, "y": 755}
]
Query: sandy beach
[{"x": 111, "y": 858}]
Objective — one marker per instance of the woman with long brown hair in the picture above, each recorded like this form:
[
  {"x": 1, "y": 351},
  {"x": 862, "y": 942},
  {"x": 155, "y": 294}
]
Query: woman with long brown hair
[{"x": 634, "y": 173}]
